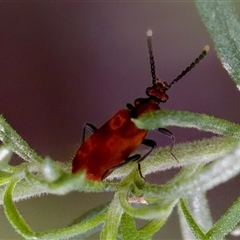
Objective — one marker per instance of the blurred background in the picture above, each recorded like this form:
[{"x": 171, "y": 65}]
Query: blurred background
[{"x": 63, "y": 64}]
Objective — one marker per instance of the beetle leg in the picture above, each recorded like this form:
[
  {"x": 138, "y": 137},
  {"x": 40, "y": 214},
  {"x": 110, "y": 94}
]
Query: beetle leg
[
  {"x": 132, "y": 110},
  {"x": 149, "y": 143},
  {"x": 136, "y": 157},
  {"x": 88, "y": 130},
  {"x": 130, "y": 106},
  {"x": 129, "y": 159},
  {"x": 169, "y": 134}
]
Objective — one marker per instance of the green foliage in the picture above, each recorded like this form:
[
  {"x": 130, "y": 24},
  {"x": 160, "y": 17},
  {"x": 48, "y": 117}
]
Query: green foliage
[
  {"x": 205, "y": 164},
  {"x": 223, "y": 26}
]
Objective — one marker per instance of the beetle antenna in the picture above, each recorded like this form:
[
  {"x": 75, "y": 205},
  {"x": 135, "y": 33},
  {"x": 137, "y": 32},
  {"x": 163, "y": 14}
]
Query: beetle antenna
[
  {"x": 151, "y": 57},
  {"x": 190, "y": 67}
]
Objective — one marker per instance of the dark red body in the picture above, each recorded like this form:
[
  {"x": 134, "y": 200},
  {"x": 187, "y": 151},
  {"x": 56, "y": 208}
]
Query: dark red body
[
  {"x": 112, "y": 144},
  {"x": 108, "y": 146}
]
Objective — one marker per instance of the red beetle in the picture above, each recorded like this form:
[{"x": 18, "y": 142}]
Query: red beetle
[{"x": 110, "y": 146}]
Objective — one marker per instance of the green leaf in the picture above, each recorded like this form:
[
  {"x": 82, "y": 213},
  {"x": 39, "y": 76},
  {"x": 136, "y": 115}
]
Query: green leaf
[
  {"x": 65, "y": 183},
  {"x": 218, "y": 171},
  {"x": 5, "y": 156},
  {"x": 200, "y": 210},
  {"x": 165, "y": 118},
  {"x": 89, "y": 215},
  {"x": 222, "y": 24},
  {"x": 10, "y": 138},
  {"x": 112, "y": 220},
  {"x": 128, "y": 228},
  {"x": 226, "y": 223},
  {"x": 198, "y": 177},
  {"x": 195, "y": 152},
  {"x": 197, "y": 231},
  {"x": 201, "y": 151},
  {"x": 180, "y": 185},
  {"x": 23, "y": 191},
  {"x": 87, "y": 222},
  {"x": 146, "y": 232},
  {"x": 92, "y": 213},
  {"x": 5, "y": 177},
  {"x": 13, "y": 215},
  {"x": 198, "y": 206}
]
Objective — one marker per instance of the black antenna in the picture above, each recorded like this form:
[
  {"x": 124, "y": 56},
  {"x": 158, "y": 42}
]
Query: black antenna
[
  {"x": 191, "y": 66},
  {"x": 152, "y": 63}
]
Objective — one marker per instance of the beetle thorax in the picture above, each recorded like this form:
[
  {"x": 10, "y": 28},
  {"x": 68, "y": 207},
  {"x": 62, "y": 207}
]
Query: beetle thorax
[{"x": 144, "y": 105}]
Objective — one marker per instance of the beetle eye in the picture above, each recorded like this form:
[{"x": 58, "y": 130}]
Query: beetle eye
[
  {"x": 137, "y": 102},
  {"x": 158, "y": 91}
]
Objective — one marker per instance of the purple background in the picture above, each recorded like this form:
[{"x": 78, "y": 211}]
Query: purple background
[{"x": 64, "y": 64}]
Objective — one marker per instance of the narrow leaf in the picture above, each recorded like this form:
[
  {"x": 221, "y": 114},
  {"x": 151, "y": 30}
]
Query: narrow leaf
[
  {"x": 13, "y": 214},
  {"x": 199, "y": 208},
  {"x": 198, "y": 233},
  {"x": 203, "y": 122},
  {"x": 147, "y": 232},
  {"x": 73, "y": 230},
  {"x": 222, "y": 24},
  {"x": 226, "y": 223},
  {"x": 112, "y": 220},
  {"x": 5, "y": 177},
  {"x": 10, "y": 138},
  {"x": 92, "y": 213},
  {"x": 23, "y": 191},
  {"x": 208, "y": 177},
  {"x": 65, "y": 183},
  {"x": 198, "y": 205},
  {"x": 89, "y": 215},
  {"x": 201, "y": 151},
  {"x": 128, "y": 228},
  {"x": 5, "y": 156},
  {"x": 176, "y": 187}
]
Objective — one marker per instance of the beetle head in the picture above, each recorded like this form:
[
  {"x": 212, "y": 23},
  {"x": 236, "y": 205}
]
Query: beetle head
[{"x": 158, "y": 91}]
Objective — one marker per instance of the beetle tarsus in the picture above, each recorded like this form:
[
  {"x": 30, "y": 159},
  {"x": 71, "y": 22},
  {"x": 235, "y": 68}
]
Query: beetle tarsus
[
  {"x": 129, "y": 159},
  {"x": 170, "y": 135}
]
